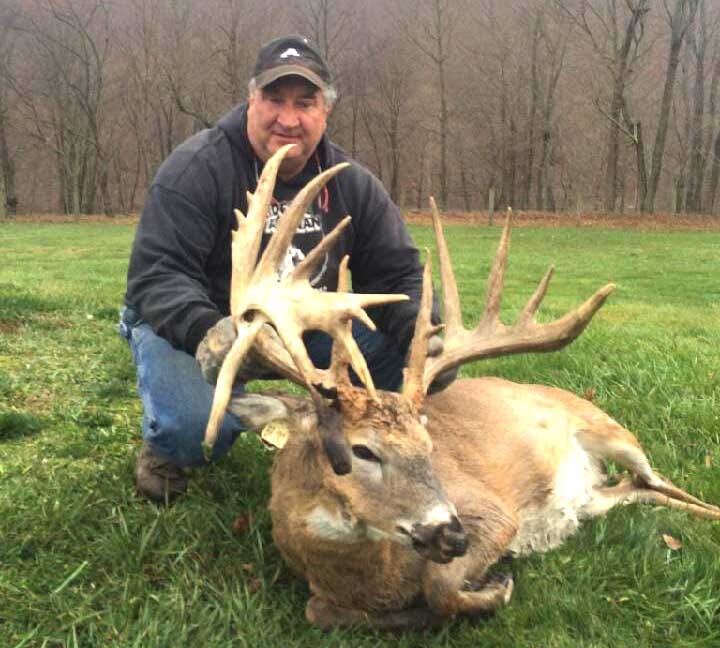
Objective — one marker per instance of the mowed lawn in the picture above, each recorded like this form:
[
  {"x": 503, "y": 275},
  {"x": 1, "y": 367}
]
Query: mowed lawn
[{"x": 84, "y": 562}]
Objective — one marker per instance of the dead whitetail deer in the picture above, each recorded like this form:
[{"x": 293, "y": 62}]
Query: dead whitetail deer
[{"x": 392, "y": 506}]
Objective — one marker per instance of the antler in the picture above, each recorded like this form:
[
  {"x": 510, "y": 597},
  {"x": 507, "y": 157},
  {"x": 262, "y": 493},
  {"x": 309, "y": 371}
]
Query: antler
[
  {"x": 290, "y": 305},
  {"x": 490, "y": 338}
]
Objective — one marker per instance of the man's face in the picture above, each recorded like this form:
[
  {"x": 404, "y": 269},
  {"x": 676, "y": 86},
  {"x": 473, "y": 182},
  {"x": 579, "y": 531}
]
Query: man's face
[{"x": 289, "y": 111}]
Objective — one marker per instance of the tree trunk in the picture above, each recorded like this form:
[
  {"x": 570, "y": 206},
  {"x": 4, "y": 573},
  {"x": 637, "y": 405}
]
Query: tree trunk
[
  {"x": 7, "y": 167},
  {"x": 696, "y": 171},
  {"x": 621, "y": 73},
  {"x": 708, "y": 151},
  {"x": 683, "y": 16},
  {"x": 444, "y": 128},
  {"x": 463, "y": 181},
  {"x": 714, "y": 176},
  {"x": 532, "y": 113}
]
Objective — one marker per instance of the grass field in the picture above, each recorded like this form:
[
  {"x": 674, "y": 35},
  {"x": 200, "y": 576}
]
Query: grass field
[{"x": 83, "y": 562}]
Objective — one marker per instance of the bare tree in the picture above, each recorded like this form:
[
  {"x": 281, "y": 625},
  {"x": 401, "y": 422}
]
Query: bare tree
[
  {"x": 431, "y": 31},
  {"x": 386, "y": 112},
  {"x": 533, "y": 108},
  {"x": 712, "y": 145},
  {"x": 64, "y": 99},
  {"x": 602, "y": 28},
  {"x": 7, "y": 162},
  {"x": 328, "y": 23},
  {"x": 555, "y": 48},
  {"x": 698, "y": 39},
  {"x": 682, "y": 16}
]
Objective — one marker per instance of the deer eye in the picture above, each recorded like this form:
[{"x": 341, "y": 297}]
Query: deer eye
[{"x": 364, "y": 453}]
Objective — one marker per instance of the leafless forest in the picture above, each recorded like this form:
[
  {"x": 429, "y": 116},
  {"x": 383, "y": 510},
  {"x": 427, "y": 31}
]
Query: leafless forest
[{"x": 599, "y": 105}]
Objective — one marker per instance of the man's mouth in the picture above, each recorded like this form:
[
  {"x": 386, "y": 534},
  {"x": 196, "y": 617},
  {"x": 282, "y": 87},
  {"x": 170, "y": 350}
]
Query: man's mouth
[{"x": 286, "y": 136}]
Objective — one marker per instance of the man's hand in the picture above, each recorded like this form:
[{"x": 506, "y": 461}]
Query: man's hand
[
  {"x": 443, "y": 380},
  {"x": 215, "y": 346}
]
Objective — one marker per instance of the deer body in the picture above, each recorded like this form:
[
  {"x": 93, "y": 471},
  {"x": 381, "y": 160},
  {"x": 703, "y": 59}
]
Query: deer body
[{"x": 523, "y": 465}]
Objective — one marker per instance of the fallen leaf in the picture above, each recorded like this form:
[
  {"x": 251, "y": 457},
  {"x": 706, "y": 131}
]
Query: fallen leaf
[
  {"x": 590, "y": 394},
  {"x": 254, "y": 585},
  {"x": 248, "y": 568},
  {"x": 672, "y": 543},
  {"x": 241, "y": 524},
  {"x": 708, "y": 461}
]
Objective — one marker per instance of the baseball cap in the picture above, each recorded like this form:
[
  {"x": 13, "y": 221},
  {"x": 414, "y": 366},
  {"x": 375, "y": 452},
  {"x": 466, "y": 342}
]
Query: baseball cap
[{"x": 291, "y": 55}]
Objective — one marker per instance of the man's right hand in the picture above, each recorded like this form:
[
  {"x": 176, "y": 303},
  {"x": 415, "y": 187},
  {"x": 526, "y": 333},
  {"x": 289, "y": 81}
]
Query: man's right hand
[{"x": 214, "y": 347}]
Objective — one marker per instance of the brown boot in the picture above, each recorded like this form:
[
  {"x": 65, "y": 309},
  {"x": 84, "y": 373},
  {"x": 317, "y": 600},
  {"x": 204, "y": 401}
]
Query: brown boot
[{"x": 157, "y": 479}]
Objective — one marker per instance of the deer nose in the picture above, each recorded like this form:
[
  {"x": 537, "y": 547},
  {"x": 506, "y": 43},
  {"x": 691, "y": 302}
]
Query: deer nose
[{"x": 441, "y": 542}]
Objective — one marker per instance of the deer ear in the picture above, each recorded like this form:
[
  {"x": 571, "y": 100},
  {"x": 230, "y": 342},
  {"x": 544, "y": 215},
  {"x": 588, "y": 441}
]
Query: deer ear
[{"x": 255, "y": 411}]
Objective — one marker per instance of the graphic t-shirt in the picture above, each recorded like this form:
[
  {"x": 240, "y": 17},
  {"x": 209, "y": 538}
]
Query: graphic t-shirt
[{"x": 309, "y": 233}]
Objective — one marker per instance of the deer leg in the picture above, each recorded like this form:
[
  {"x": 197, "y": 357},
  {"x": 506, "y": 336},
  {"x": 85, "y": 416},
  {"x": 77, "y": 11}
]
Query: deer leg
[
  {"x": 446, "y": 586},
  {"x": 326, "y": 615},
  {"x": 619, "y": 445},
  {"x": 444, "y": 589},
  {"x": 628, "y": 492}
]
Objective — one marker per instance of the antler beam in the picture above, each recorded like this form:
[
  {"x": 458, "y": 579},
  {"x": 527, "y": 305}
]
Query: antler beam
[{"x": 491, "y": 338}]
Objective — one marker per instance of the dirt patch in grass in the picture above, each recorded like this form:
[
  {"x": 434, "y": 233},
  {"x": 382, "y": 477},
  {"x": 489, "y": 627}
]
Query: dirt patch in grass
[
  {"x": 9, "y": 327},
  {"x": 641, "y": 222}
]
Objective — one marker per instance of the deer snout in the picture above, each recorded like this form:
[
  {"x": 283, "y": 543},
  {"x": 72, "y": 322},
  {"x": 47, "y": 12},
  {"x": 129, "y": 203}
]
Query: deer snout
[{"x": 440, "y": 542}]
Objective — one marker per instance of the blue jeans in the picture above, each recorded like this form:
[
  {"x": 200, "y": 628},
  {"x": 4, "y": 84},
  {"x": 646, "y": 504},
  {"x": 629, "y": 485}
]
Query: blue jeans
[{"x": 177, "y": 400}]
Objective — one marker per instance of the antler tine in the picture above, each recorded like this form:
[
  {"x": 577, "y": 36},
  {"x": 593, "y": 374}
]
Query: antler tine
[
  {"x": 491, "y": 338},
  {"x": 413, "y": 387},
  {"x": 451, "y": 299},
  {"x": 311, "y": 261},
  {"x": 496, "y": 280},
  {"x": 246, "y": 239},
  {"x": 345, "y": 349},
  {"x": 291, "y": 219},
  {"x": 528, "y": 313},
  {"x": 226, "y": 377}
]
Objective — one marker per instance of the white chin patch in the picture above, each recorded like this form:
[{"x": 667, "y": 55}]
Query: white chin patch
[{"x": 332, "y": 525}]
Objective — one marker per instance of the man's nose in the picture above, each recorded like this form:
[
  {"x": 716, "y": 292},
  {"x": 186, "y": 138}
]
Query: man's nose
[{"x": 288, "y": 117}]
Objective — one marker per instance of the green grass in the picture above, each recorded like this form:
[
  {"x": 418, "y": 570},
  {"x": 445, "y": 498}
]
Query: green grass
[{"x": 83, "y": 562}]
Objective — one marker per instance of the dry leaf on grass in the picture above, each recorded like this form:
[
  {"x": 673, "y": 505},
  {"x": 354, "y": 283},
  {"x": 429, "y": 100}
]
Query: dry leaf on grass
[
  {"x": 672, "y": 543},
  {"x": 254, "y": 585},
  {"x": 241, "y": 524}
]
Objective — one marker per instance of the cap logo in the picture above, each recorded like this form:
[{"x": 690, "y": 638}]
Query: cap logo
[{"x": 290, "y": 52}]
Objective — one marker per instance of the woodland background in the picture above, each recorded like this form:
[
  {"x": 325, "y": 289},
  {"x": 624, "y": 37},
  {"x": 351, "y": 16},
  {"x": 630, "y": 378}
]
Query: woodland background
[{"x": 593, "y": 105}]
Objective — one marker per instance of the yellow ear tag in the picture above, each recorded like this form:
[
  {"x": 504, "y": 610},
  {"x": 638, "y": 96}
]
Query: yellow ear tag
[{"x": 275, "y": 434}]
